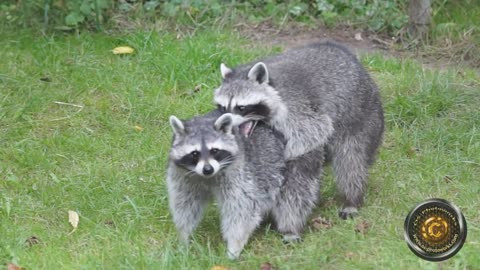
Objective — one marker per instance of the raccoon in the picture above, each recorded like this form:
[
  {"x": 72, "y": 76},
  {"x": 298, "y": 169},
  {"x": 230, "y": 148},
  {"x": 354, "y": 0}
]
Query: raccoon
[
  {"x": 325, "y": 104},
  {"x": 211, "y": 158}
]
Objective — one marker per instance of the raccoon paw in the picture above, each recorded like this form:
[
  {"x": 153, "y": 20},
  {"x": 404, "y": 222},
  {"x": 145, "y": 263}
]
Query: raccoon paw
[
  {"x": 291, "y": 239},
  {"x": 348, "y": 212},
  {"x": 233, "y": 255},
  {"x": 184, "y": 239}
]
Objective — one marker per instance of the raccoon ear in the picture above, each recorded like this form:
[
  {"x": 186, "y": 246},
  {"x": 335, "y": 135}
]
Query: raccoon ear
[
  {"x": 259, "y": 73},
  {"x": 224, "y": 70},
  {"x": 177, "y": 125},
  {"x": 224, "y": 123}
]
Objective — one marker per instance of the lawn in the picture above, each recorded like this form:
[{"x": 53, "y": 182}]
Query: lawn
[{"x": 83, "y": 129}]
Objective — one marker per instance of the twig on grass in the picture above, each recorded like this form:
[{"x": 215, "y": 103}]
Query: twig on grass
[{"x": 80, "y": 108}]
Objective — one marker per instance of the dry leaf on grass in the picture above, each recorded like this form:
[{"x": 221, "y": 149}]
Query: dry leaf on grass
[
  {"x": 349, "y": 255},
  {"x": 448, "y": 179},
  {"x": 123, "y": 50},
  {"x": 32, "y": 240},
  {"x": 321, "y": 223},
  {"x": 110, "y": 223},
  {"x": 219, "y": 267},
  {"x": 197, "y": 88},
  {"x": 73, "y": 219},
  {"x": 362, "y": 226},
  {"x": 266, "y": 266},
  {"x": 12, "y": 266},
  {"x": 138, "y": 128}
]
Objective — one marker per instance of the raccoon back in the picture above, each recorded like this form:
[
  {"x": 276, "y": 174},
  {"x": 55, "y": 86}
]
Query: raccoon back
[{"x": 320, "y": 77}]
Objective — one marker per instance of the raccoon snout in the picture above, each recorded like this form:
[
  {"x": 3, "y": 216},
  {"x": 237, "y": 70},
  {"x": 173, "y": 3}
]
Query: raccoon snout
[{"x": 208, "y": 170}]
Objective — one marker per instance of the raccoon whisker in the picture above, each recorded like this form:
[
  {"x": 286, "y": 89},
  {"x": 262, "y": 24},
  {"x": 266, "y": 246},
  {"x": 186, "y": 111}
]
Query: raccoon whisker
[
  {"x": 225, "y": 164},
  {"x": 227, "y": 159}
]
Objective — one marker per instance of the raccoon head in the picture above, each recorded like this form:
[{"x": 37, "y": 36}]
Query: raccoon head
[
  {"x": 203, "y": 146},
  {"x": 250, "y": 96}
]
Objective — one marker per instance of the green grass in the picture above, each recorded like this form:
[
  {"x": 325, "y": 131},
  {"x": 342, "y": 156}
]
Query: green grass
[{"x": 56, "y": 157}]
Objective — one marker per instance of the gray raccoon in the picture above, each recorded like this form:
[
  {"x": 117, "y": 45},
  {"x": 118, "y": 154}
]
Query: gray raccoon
[
  {"x": 320, "y": 98},
  {"x": 211, "y": 158}
]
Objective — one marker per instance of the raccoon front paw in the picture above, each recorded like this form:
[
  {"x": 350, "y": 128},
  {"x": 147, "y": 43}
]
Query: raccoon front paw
[
  {"x": 292, "y": 239},
  {"x": 348, "y": 212},
  {"x": 233, "y": 255},
  {"x": 184, "y": 239}
]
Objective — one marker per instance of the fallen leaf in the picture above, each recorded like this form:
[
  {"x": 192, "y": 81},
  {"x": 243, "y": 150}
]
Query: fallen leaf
[
  {"x": 321, "y": 223},
  {"x": 138, "y": 128},
  {"x": 12, "y": 266},
  {"x": 266, "y": 266},
  {"x": 110, "y": 223},
  {"x": 448, "y": 179},
  {"x": 73, "y": 218},
  {"x": 69, "y": 61},
  {"x": 188, "y": 93},
  {"x": 32, "y": 240},
  {"x": 362, "y": 227},
  {"x": 218, "y": 267},
  {"x": 412, "y": 152},
  {"x": 358, "y": 36},
  {"x": 45, "y": 79},
  {"x": 123, "y": 50},
  {"x": 349, "y": 255}
]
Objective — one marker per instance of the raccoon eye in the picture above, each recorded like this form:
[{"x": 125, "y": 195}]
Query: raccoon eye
[
  {"x": 195, "y": 154},
  {"x": 213, "y": 151}
]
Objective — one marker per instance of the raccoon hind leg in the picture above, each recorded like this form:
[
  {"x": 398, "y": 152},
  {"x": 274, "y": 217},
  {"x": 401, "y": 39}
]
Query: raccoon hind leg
[
  {"x": 350, "y": 165},
  {"x": 299, "y": 195}
]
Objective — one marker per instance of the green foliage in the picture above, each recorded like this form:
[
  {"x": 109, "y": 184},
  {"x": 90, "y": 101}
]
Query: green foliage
[
  {"x": 378, "y": 15},
  {"x": 59, "y": 13},
  {"x": 84, "y": 10}
]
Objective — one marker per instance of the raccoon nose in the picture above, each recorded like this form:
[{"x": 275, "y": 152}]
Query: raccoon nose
[{"x": 208, "y": 170}]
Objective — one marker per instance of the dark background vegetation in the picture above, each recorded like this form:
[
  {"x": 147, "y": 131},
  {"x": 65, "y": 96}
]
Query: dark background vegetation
[
  {"x": 453, "y": 33},
  {"x": 377, "y": 15}
]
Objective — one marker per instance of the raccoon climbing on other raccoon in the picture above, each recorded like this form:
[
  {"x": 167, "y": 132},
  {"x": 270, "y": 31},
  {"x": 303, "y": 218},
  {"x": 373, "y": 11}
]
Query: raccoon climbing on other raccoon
[{"x": 321, "y": 99}]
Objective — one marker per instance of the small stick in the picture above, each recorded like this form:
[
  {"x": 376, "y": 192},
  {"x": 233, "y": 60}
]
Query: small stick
[
  {"x": 68, "y": 104},
  {"x": 80, "y": 108}
]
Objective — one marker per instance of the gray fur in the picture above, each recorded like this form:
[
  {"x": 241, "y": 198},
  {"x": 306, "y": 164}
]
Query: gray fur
[
  {"x": 246, "y": 188},
  {"x": 320, "y": 98}
]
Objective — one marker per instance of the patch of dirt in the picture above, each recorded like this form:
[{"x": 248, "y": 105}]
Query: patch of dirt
[{"x": 357, "y": 41}]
